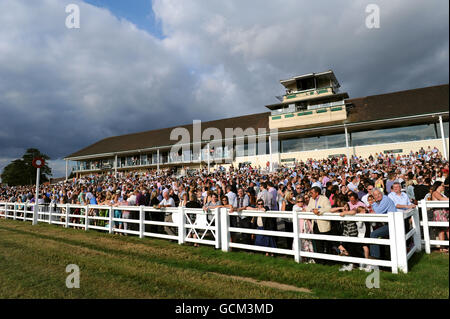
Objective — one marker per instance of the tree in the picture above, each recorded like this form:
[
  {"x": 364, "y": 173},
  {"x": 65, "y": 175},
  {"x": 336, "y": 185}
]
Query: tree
[{"x": 22, "y": 172}]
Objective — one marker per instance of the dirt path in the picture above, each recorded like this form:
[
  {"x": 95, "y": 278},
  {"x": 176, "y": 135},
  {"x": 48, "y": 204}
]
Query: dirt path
[{"x": 270, "y": 284}]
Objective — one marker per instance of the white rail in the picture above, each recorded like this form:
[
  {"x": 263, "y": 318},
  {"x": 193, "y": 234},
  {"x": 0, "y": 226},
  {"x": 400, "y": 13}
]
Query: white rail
[
  {"x": 213, "y": 228},
  {"x": 426, "y": 224}
]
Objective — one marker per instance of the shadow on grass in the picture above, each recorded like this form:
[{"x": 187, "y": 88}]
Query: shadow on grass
[
  {"x": 415, "y": 259},
  {"x": 198, "y": 264}
]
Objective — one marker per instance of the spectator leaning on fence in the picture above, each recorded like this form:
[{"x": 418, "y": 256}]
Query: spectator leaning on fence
[
  {"x": 382, "y": 205},
  {"x": 400, "y": 199}
]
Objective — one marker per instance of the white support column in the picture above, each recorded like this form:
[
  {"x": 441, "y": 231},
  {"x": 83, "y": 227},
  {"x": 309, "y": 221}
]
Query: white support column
[
  {"x": 347, "y": 146},
  {"x": 157, "y": 160},
  {"x": 67, "y": 170},
  {"x": 270, "y": 154},
  {"x": 115, "y": 166},
  {"x": 444, "y": 144},
  {"x": 208, "y": 157}
]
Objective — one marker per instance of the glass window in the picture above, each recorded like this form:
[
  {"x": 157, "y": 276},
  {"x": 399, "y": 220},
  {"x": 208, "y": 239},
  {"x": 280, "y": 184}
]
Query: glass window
[
  {"x": 240, "y": 150},
  {"x": 393, "y": 135},
  {"x": 313, "y": 143}
]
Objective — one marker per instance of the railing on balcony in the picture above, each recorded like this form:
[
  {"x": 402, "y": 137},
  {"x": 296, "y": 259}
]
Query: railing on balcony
[
  {"x": 322, "y": 108},
  {"x": 152, "y": 161}
]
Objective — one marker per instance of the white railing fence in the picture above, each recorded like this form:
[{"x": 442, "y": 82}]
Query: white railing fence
[
  {"x": 213, "y": 228},
  {"x": 425, "y": 206}
]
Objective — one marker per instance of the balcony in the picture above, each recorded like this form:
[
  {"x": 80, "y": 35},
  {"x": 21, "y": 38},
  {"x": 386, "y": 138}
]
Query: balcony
[
  {"x": 130, "y": 163},
  {"x": 307, "y": 94},
  {"x": 307, "y": 117}
]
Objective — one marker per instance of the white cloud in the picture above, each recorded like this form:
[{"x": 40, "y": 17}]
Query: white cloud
[{"x": 63, "y": 89}]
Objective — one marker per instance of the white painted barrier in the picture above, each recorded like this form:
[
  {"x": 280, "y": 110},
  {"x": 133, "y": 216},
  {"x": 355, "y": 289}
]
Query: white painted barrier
[
  {"x": 213, "y": 228},
  {"x": 427, "y": 224}
]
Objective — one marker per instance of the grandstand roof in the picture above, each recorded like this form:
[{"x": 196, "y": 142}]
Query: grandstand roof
[{"x": 396, "y": 105}]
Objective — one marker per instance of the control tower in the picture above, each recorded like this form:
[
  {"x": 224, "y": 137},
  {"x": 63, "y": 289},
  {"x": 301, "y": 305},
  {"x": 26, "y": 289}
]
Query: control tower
[{"x": 309, "y": 99}]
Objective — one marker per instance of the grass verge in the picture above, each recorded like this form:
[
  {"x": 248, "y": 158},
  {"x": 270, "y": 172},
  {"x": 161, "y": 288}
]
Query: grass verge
[{"x": 33, "y": 260}]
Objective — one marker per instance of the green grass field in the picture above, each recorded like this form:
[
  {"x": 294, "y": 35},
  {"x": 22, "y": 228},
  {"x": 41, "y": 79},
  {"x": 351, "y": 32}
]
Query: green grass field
[{"x": 33, "y": 260}]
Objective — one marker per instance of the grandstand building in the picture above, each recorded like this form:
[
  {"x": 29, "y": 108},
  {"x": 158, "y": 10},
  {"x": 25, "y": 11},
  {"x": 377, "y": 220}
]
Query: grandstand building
[{"x": 314, "y": 119}]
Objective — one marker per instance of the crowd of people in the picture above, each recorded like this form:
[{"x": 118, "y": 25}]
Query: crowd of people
[{"x": 376, "y": 185}]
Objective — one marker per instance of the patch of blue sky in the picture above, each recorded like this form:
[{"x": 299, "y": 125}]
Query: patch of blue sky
[{"x": 138, "y": 12}]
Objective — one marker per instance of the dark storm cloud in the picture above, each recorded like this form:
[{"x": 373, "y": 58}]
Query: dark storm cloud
[{"x": 61, "y": 89}]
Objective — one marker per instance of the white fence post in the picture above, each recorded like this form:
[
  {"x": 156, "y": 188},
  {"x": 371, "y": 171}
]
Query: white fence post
[
  {"x": 417, "y": 234},
  {"x": 426, "y": 230},
  {"x": 35, "y": 213},
  {"x": 296, "y": 242},
  {"x": 218, "y": 228},
  {"x": 402, "y": 258},
  {"x": 393, "y": 242},
  {"x": 225, "y": 234},
  {"x": 67, "y": 215},
  {"x": 110, "y": 220},
  {"x": 25, "y": 208},
  {"x": 15, "y": 212},
  {"x": 141, "y": 221},
  {"x": 6, "y": 210},
  {"x": 181, "y": 226},
  {"x": 50, "y": 212},
  {"x": 86, "y": 220}
]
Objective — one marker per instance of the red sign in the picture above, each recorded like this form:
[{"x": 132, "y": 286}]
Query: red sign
[{"x": 38, "y": 162}]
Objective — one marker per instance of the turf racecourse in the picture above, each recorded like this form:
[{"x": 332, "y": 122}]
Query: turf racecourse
[{"x": 33, "y": 260}]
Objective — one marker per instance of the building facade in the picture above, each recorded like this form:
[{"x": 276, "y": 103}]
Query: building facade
[{"x": 314, "y": 119}]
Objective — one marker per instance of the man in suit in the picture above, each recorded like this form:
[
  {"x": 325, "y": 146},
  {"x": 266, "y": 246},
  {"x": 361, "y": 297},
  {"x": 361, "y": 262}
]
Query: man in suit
[{"x": 319, "y": 204}]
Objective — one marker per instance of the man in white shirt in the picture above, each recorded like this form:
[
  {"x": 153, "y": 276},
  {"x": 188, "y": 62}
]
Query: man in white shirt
[
  {"x": 168, "y": 201},
  {"x": 230, "y": 195},
  {"x": 400, "y": 199}
]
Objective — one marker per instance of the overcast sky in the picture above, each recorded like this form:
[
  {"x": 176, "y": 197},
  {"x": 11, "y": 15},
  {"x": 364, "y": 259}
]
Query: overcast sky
[{"x": 140, "y": 65}]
